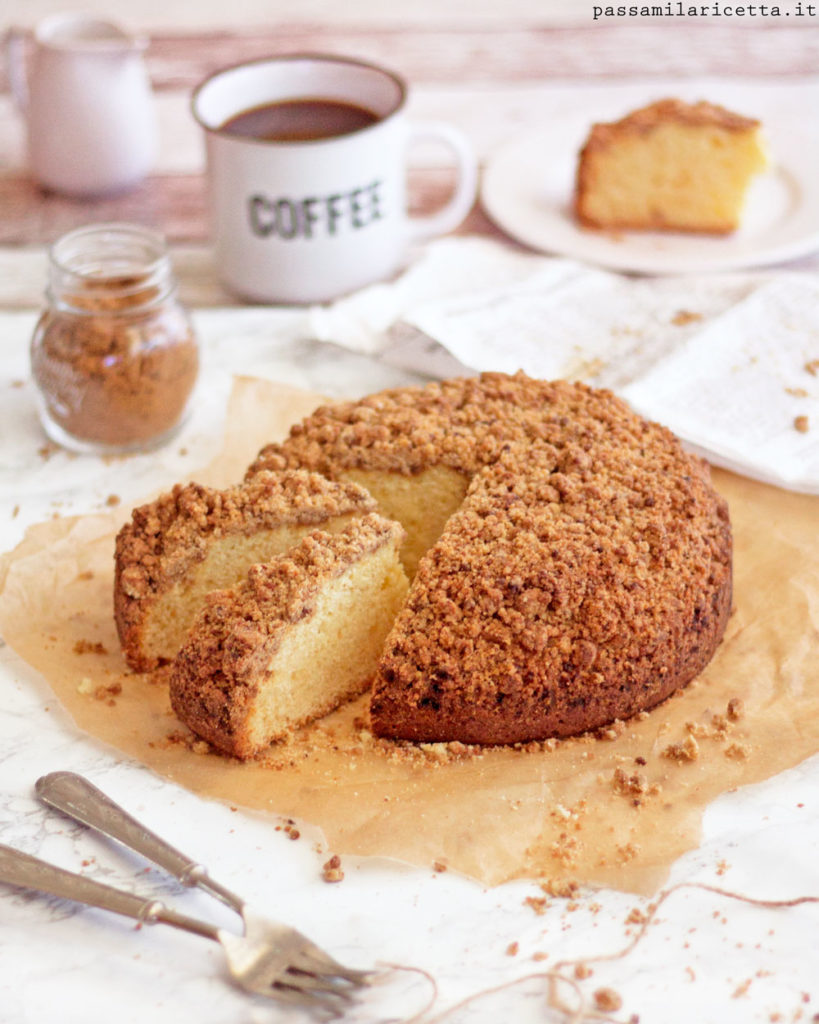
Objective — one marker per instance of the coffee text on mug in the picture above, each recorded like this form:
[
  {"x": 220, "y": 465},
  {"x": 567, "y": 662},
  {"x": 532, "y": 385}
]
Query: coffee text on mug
[{"x": 315, "y": 215}]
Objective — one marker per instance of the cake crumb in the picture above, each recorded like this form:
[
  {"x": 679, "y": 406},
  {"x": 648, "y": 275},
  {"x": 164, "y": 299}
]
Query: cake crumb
[
  {"x": 636, "y": 916},
  {"x": 582, "y": 971},
  {"x": 540, "y": 956},
  {"x": 560, "y": 888},
  {"x": 688, "y": 750},
  {"x": 112, "y": 500},
  {"x": 513, "y": 949},
  {"x": 607, "y": 1000},
  {"x": 736, "y": 709},
  {"x": 812, "y": 367},
  {"x": 802, "y": 424},
  {"x": 90, "y": 647},
  {"x": 538, "y": 903},
  {"x": 86, "y": 686},
  {"x": 738, "y": 751},
  {"x": 797, "y": 392},
  {"x": 634, "y": 784},
  {"x": 107, "y": 693},
  {"x": 331, "y": 871},
  {"x": 741, "y": 989},
  {"x": 627, "y": 852},
  {"x": 685, "y": 316}
]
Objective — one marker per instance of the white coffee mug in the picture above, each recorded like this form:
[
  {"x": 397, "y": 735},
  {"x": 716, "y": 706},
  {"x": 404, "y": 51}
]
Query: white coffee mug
[
  {"x": 87, "y": 103},
  {"x": 308, "y": 220}
]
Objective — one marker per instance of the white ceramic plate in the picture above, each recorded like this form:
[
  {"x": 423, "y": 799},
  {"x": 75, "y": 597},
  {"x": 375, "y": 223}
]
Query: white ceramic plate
[{"x": 527, "y": 189}]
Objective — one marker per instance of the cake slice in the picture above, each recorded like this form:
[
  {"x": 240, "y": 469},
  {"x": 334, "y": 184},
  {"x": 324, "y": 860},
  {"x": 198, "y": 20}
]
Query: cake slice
[
  {"x": 299, "y": 636},
  {"x": 196, "y": 539},
  {"x": 670, "y": 166}
]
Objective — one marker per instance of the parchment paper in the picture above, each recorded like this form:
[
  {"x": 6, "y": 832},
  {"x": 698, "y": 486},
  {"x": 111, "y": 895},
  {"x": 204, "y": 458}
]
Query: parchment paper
[{"x": 613, "y": 810}]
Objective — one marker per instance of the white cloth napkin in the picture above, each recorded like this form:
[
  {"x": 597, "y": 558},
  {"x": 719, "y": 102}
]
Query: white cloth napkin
[{"x": 729, "y": 362}]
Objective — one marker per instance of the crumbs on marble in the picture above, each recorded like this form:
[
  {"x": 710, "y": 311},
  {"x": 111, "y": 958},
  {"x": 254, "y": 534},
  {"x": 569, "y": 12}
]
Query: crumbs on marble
[
  {"x": 289, "y": 829},
  {"x": 113, "y": 500},
  {"x": 47, "y": 450},
  {"x": 540, "y": 904},
  {"x": 685, "y": 316},
  {"x": 636, "y": 916},
  {"x": 607, "y": 1000},
  {"x": 801, "y": 424},
  {"x": 332, "y": 871},
  {"x": 797, "y": 392},
  {"x": 513, "y": 949},
  {"x": 812, "y": 367}
]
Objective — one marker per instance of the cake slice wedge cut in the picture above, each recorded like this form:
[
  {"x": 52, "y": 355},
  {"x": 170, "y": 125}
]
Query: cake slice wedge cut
[
  {"x": 197, "y": 539},
  {"x": 670, "y": 166},
  {"x": 298, "y": 637}
]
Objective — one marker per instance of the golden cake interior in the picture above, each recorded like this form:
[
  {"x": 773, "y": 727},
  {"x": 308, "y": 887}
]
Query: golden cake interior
[
  {"x": 670, "y": 166},
  {"x": 226, "y": 563},
  {"x": 301, "y": 634},
  {"x": 422, "y": 504},
  {"x": 331, "y": 656}
]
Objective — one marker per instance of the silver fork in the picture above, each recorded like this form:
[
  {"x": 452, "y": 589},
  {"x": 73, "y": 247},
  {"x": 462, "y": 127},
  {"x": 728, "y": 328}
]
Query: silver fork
[{"x": 269, "y": 959}]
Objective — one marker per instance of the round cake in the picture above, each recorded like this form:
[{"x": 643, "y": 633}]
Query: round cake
[{"x": 572, "y": 562}]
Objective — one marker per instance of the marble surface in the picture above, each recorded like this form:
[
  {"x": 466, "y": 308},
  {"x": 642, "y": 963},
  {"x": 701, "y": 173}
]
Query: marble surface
[{"x": 706, "y": 957}]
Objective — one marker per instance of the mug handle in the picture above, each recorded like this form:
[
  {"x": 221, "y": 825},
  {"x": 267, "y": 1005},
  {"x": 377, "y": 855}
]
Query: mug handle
[
  {"x": 455, "y": 210},
  {"x": 14, "y": 43}
]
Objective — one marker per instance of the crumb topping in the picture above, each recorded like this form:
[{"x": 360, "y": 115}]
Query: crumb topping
[
  {"x": 561, "y": 596},
  {"x": 662, "y": 111},
  {"x": 166, "y": 536},
  {"x": 462, "y": 423}
]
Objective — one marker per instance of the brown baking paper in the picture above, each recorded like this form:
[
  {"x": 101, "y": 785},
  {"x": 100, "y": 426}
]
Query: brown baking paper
[{"x": 614, "y": 809}]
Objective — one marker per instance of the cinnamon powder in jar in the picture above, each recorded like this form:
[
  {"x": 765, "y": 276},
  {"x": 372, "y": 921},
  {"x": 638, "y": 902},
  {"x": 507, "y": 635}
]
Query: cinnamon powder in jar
[{"x": 114, "y": 355}]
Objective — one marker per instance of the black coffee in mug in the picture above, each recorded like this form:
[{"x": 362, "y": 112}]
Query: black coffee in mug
[{"x": 300, "y": 120}]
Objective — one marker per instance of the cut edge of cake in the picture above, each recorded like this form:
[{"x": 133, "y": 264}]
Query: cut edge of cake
[
  {"x": 196, "y": 539},
  {"x": 301, "y": 635}
]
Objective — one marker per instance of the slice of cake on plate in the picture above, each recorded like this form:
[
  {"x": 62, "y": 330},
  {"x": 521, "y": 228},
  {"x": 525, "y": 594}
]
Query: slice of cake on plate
[{"x": 670, "y": 166}]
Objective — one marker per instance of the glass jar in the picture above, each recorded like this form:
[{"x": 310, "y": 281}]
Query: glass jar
[{"x": 113, "y": 355}]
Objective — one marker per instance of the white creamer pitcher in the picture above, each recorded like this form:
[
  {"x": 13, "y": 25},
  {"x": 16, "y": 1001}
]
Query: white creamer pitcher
[{"x": 87, "y": 101}]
